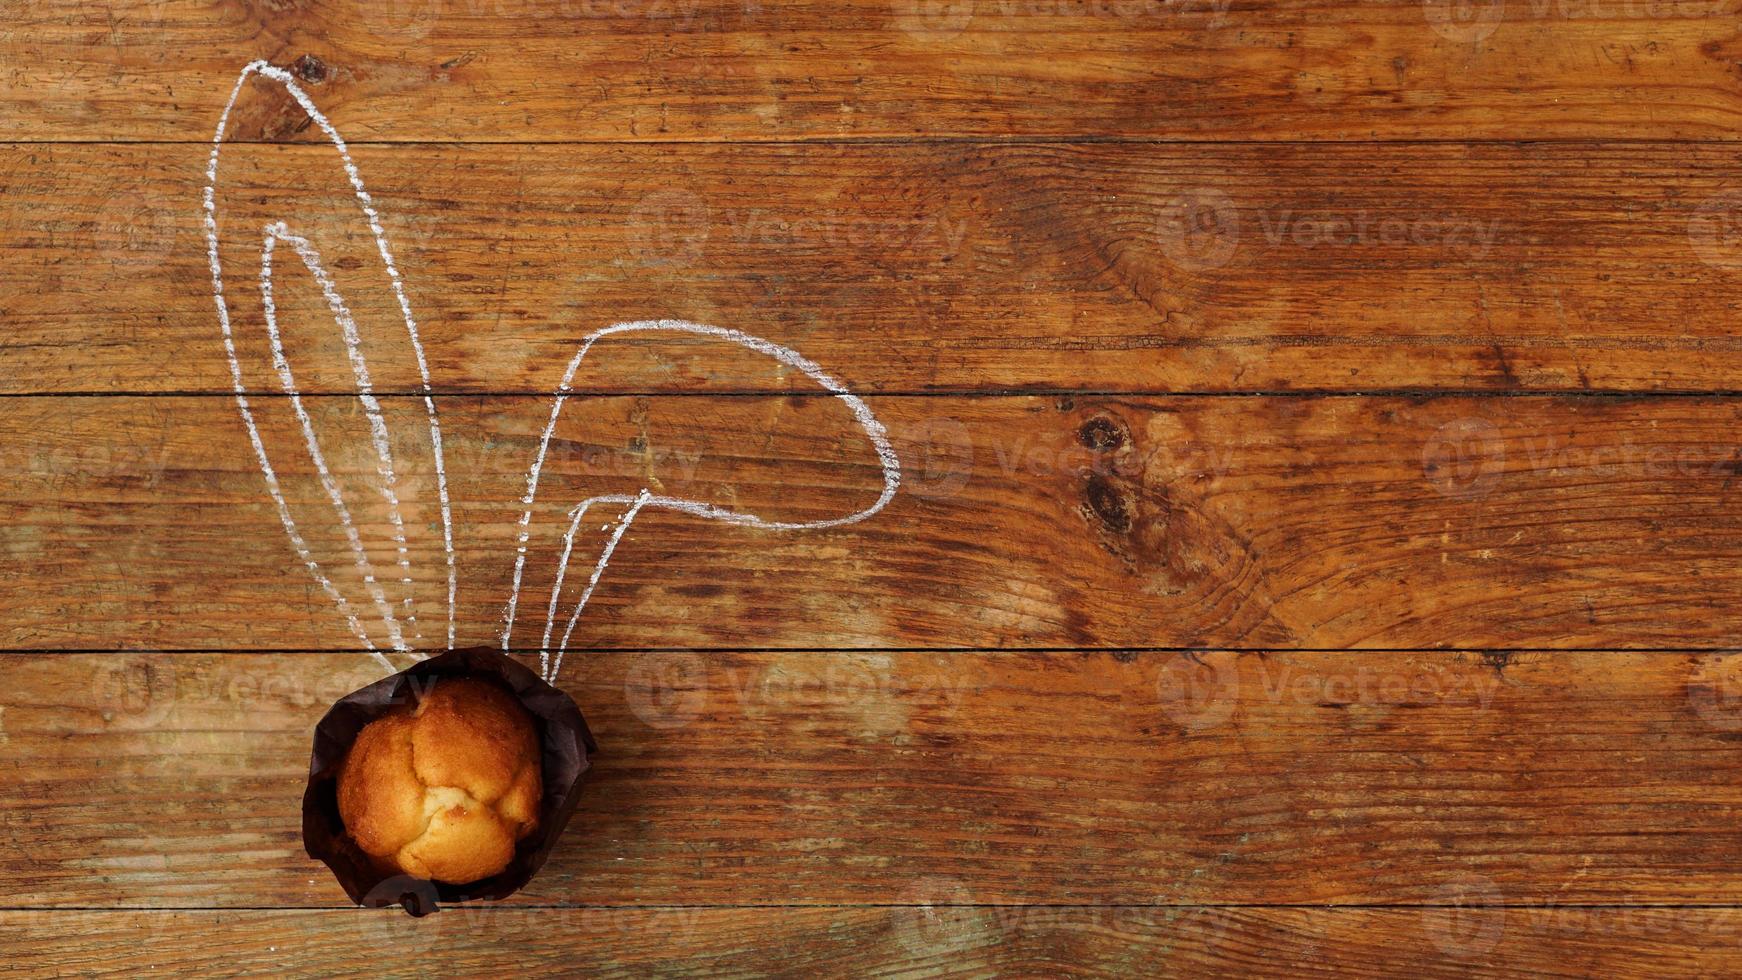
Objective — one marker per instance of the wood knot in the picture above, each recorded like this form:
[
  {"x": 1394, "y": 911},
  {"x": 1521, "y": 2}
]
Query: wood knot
[
  {"x": 310, "y": 69},
  {"x": 1108, "y": 503},
  {"x": 1101, "y": 434}
]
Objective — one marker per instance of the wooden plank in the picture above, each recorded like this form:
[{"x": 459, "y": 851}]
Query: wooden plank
[
  {"x": 887, "y": 942},
  {"x": 810, "y": 777},
  {"x": 144, "y": 523},
  {"x": 900, "y": 268},
  {"x": 420, "y": 70}
]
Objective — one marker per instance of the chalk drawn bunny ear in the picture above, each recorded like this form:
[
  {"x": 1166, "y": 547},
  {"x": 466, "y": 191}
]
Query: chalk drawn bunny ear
[
  {"x": 634, "y": 504},
  {"x": 294, "y": 273}
]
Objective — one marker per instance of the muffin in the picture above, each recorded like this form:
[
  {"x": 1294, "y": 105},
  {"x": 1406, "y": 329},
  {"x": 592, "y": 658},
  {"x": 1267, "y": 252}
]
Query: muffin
[{"x": 444, "y": 788}]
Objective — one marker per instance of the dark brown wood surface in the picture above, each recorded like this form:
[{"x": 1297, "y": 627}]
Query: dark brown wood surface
[
  {"x": 910, "y": 267},
  {"x": 733, "y": 71},
  {"x": 1316, "y": 555},
  {"x": 1059, "y": 521},
  {"x": 905, "y": 941},
  {"x": 986, "y": 778}
]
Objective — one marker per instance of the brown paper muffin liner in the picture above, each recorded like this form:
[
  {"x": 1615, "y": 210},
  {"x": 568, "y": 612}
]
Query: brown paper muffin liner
[{"x": 562, "y": 732}]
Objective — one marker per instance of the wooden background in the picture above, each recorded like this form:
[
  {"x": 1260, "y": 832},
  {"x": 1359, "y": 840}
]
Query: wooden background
[{"x": 1323, "y": 517}]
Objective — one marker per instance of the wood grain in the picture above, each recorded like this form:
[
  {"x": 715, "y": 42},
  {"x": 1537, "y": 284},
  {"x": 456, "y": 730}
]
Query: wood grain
[
  {"x": 1316, "y": 555},
  {"x": 813, "y": 777},
  {"x": 556, "y": 70},
  {"x": 144, "y": 523},
  {"x": 972, "y": 942},
  {"x": 902, "y": 268}
]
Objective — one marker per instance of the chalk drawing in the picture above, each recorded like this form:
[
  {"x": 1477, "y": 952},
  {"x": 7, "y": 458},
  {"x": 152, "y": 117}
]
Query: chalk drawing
[
  {"x": 281, "y": 231},
  {"x": 314, "y": 447},
  {"x": 623, "y": 523},
  {"x": 873, "y": 430},
  {"x": 298, "y": 542},
  {"x": 311, "y": 259}
]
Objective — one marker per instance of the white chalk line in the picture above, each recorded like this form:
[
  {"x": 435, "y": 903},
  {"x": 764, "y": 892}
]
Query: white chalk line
[
  {"x": 279, "y": 231},
  {"x": 311, "y": 259},
  {"x": 216, "y": 267},
  {"x": 623, "y": 523},
  {"x": 296, "y": 539},
  {"x": 556, "y": 589},
  {"x": 873, "y": 429},
  {"x": 334, "y": 495}
]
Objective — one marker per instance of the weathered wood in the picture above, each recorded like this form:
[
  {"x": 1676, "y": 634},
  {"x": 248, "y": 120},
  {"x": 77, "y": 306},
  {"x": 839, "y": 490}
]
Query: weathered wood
[
  {"x": 813, "y": 777},
  {"x": 418, "y": 70},
  {"x": 144, "y": 523},
  {"x": 948, "y": 942},
  {"x": 996, "y": 218},
  {"x": 937, "y": 267}
]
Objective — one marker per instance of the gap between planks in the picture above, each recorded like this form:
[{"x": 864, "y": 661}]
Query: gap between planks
[
  {"x": 1616, "y": 394},
  {"x": 823, "y": 651},
  {"x": 772, "y": 906},
  {"x": 940, "y": 140}
]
